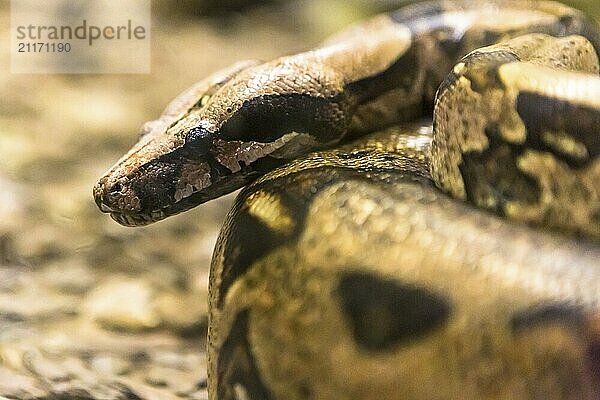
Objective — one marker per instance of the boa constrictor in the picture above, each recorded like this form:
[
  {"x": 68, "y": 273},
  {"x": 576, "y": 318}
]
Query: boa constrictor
[{"x": 355, "y": 271}]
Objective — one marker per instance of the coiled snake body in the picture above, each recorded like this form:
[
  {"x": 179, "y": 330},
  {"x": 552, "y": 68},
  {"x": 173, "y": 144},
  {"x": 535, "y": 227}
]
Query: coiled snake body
[{"x": 344, "y": 273}]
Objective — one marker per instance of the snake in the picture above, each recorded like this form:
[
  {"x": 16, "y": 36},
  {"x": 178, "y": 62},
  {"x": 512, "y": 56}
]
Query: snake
[{"x": 420, "y": 212}]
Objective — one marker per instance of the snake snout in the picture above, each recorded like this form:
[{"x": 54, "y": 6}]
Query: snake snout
[
  {"x": 100, "y": 198},
  {"x": 115, "y": 196}
]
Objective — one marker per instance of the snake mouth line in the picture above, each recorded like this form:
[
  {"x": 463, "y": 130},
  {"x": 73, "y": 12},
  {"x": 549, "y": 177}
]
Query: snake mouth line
[
  {"x": 141, "y": 219},
  {"x": 132, "y": 220}
]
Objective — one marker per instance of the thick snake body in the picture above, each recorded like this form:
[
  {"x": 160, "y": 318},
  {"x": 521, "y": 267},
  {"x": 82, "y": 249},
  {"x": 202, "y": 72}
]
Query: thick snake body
[{"x": 346, "y": 274}]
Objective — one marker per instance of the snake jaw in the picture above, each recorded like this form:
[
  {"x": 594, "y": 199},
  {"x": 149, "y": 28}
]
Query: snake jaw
[{"x": 133, "y": 220}]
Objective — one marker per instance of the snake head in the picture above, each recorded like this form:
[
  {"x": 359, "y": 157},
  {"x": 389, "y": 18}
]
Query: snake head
[
  {"x": 219, "y": 135},
  {"x": 164, "y": 171},
  {"x": 235, "y": 126}
]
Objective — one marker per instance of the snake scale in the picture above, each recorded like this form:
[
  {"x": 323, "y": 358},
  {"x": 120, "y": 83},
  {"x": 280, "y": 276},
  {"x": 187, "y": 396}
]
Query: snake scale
[{"x": 372, "y": 254}]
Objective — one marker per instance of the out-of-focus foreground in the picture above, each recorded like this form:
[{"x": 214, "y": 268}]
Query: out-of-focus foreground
[{"x": 90, "y": 309}]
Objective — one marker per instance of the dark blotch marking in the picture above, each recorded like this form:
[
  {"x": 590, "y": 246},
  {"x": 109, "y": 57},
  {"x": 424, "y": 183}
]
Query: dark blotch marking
[
  {"x": 567, "y": 314},
  {"x": 383, "y": 313},
  {"x": 158, "y": 178},
  {"x": 402, "y": 73},
  {"x": 236, "y": 365},
  {"x": 451, "y": 42},
  {"x": 481, "y": 69},
  {"x": 493, "y": 174},
  {"x": 572, "y": 317},
  {"x": 594, "y": 359},
  {"x": 427, "y": 18},
  {"x": 157, "y": 189},
  {"x": 248, "y": 239},
  {"x": 154, "y": 184},
  {"x": 542, "y": 113},
  {"x": 413, "y": 16},
  {"x": 267, "y": 118}
]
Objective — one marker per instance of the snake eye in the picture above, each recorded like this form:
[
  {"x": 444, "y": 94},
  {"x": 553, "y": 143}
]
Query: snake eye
[{"x": 198, "y": 141}]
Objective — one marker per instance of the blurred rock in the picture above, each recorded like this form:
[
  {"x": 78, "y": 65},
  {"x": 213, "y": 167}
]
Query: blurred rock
[
  {"x": 123, "y": 303},
  {"x": 110, "y": 366},
  {"x": 69, "y": 276},
  {"x": 187, "y": 314},
  {"x": 37, "y": 364},
  {"x": 37, "y": 304},
  {"x": 18, "y": 386}
]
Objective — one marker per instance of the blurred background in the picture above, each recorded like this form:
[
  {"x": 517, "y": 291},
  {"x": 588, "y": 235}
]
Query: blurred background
[{"x": 90, "y": 309}]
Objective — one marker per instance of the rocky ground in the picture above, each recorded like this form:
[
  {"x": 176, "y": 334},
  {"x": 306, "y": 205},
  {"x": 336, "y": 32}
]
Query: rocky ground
[{"x": 90, "y": 309}]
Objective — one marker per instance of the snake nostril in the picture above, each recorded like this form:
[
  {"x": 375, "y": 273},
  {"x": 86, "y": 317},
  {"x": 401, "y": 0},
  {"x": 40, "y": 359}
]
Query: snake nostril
[
  {"x": 115, "y": 189},
  {"x": 100, "y": 198},
  {"x": 108, "y": 194}
]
